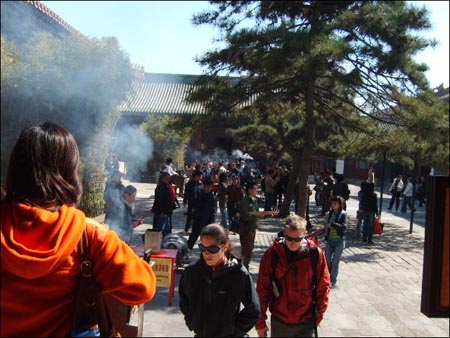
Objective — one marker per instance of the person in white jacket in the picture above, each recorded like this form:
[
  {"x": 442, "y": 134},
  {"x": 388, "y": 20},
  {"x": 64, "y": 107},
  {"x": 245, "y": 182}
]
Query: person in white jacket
[{"x": 407, "y": 196}]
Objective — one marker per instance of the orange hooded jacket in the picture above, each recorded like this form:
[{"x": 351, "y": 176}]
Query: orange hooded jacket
[{"x": 40, "y": 268}]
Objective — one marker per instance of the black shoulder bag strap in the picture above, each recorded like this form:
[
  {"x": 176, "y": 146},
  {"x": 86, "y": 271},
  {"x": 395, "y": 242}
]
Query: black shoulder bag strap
[
  {"x": 314, "y": 256},
  {"x": 85, "y": 317},
  {"x": 90, "y": 310}
]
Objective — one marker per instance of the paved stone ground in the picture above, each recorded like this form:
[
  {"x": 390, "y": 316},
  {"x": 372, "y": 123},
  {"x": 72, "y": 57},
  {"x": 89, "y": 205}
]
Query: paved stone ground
[{"x": 378, "y": 290}]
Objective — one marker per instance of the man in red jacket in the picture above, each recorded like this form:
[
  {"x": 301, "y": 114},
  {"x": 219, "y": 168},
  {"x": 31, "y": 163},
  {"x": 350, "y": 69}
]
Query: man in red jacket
[{"x": 286, "y": 283}]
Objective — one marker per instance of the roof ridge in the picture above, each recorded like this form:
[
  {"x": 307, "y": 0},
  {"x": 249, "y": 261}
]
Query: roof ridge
[{"x": 51, "y": 14}]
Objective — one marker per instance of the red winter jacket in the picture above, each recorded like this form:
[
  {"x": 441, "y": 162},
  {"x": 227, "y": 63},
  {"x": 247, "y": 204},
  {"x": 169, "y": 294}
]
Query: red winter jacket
[{"x": 295, "y": 303}]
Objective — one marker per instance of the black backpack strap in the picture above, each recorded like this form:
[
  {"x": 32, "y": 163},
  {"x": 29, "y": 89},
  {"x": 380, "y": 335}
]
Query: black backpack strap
[
  {"x": 314, "y": 256},
  {"x": 275, "y": 282},
  {"x": 274, "y": 261}
]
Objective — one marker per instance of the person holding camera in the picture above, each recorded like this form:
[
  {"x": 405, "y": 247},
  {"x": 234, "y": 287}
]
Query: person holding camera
[{"x": 293, "y": 282}]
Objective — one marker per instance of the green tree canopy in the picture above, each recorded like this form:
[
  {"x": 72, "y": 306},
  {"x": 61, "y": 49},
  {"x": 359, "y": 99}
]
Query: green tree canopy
[
  {"x": 340, "y": 60},
  {"x": 168, "y": 140},
  {"x": 71, "y": 80}
]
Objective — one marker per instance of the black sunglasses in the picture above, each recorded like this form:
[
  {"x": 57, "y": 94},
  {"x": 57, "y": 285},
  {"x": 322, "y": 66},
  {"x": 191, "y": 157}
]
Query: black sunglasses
[
  {"x": 211, "y": 249},
  {"x": 293, "y": 239}
]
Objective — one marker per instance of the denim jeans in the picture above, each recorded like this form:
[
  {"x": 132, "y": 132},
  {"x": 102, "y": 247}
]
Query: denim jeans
[
  {"x": 224, "y": 216},
  {"x": 358, "y": 228},
  {"x": 407, "y": 201},
  {"x": 333, "y": 252},
  {"x": 318, "y": 198},
  {"x": 369, "y": 218},
  {"x": 163, "y": 224}
]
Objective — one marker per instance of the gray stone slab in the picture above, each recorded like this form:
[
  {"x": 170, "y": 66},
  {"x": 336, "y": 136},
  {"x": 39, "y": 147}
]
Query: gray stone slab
[{"x": 378, "y": 290}]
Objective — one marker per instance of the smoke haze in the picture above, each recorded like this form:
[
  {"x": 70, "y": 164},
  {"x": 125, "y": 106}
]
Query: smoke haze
[{"x": 134, "y": 147}]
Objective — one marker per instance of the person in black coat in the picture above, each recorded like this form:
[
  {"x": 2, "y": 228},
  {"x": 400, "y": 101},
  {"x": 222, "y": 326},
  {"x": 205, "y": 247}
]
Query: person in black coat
[
  {"x": 162, "y": 206},
  {"x": 340, "y": 188},
  {"x": 190, "y": 192},
  {"x": 370, "y": 210},
  {"x": 205, "y": 207},
  {"x": 217, "y": 294}
]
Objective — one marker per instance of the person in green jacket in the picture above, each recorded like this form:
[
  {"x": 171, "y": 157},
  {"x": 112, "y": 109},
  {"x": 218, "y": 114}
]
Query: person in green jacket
[{"x": 249, "y": 215}]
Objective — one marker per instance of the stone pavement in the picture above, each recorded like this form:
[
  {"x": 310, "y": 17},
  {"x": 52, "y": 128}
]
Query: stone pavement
[{"x": 378, "y": 290}]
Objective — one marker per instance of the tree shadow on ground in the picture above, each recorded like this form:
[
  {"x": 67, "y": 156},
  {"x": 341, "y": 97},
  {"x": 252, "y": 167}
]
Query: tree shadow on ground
[{"x": 395, "y": 237}]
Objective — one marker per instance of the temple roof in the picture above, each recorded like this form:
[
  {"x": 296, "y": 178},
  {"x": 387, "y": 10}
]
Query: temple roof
[
  {"x": 442, "y": 92},
  {"x": 162, "y": 94},
  {"x": 56, "y": 18},
  {"x": 20, "y": 19}
]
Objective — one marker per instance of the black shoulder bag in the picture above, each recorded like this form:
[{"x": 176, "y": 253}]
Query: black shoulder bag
[{"x": 97, "y": 315}]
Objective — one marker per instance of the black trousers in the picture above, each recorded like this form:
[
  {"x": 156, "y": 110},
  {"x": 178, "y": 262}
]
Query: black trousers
[
  {"x": 189, "y": 217},
  {"x": 395, "y": 198},
  {"x": 193, "y": 236}
]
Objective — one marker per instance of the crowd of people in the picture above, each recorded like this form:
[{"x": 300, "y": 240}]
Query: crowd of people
[
  {"x": 238, "y": 194},
  {"x": 41, "y": 228}
]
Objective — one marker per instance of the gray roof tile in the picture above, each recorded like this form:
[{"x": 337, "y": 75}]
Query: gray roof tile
[{"x": 162, "y": 94}]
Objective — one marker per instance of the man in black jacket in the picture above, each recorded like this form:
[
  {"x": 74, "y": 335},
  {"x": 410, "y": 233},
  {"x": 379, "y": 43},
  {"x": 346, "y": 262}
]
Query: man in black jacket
[
  {"x": 205, "y": 207},
  {"x": 190, "y": 192},
  {"x": 162, "y": 206},
  {"x": 341, "y": 189}
]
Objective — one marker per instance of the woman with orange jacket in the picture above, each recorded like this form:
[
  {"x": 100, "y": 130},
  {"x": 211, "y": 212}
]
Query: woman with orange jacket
[{"x": 40, "y": 231}]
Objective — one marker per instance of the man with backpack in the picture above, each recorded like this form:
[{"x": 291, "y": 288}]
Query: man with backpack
[{"x": 294, "y": 283}]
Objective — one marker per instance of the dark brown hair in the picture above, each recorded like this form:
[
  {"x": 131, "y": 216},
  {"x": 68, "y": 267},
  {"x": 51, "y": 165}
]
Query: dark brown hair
[
  {"x": 220, "y": 234},
  {"x": 45, "y": 166},
  {"x": 338, "y": 199}
]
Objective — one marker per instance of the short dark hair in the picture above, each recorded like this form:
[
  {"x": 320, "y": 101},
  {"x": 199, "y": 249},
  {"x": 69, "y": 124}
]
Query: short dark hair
[
  {"x": 129, "y": 190},
  {"x": 197, "y": 173},
  {"x": 45, "y": 166},
  {"x": 250, "y": 185},
  {"x": 169, "y": 160},
  {"x": 338, "y": 199}
]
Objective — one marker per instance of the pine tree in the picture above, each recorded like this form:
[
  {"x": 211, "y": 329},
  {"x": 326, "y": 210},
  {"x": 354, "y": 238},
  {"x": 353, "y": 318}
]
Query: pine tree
[{"x": 319, "y": 54}]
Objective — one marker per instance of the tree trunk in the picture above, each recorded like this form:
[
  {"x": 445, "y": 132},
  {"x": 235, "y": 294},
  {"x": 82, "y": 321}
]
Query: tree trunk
[
  {"x": 289, "y": 193},
  {"x": 305, "y": 163}
]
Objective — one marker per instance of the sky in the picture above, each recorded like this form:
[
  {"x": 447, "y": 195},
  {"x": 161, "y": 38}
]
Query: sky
[{"x": 160, "y": 36}]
